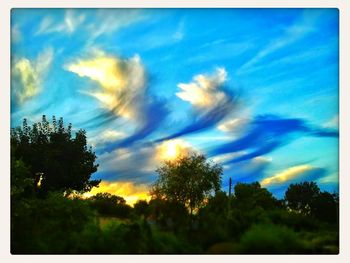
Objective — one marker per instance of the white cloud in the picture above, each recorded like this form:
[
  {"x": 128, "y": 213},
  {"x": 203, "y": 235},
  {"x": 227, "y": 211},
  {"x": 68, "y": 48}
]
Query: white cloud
[
  {"x": 69, "y": 24},
  {"x": 179, "y": 33},
  {"x": 222, "y": 158},
  {"x": 106, "y": 136},
  {"x": 16, "y": 35},
  {"x": 204, "y": 91},
  {"x": 27, "y": 75},
  {"x": 233, "y": 125},
  {"x": 111, "y": 20},
  {"x": 332, "y": 123}
]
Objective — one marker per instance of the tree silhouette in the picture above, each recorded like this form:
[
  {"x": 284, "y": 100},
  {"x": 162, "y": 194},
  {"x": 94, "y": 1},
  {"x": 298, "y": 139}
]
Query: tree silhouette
[
  {"x": 301, "y": 196},
  {"x": 57, "y": 161},
  {"x": 188, "y": 180}
]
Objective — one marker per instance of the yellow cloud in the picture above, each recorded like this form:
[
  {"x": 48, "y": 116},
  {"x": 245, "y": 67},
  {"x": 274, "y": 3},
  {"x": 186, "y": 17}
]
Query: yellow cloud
[
  {"x": 286, "y": 175},
  {"x": 172, "y": 149},
  {"x": 27, "y": 75},
  {"x": 120, "y": 81},
  {"x": 128, "y": 190},
  {"x": 204, "y": 90}
]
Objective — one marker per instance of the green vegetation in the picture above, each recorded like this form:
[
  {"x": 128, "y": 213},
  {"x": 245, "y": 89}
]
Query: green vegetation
[{"x": 187, "y": 212}]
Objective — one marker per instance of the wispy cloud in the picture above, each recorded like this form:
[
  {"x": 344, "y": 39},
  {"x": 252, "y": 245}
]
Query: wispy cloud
[
  {"x": 108, "y": 21},
  {"x": 294, "y": 174},
  {"x": 27, "y": 75},
  {"x": 180, "y": 31},
  {"x": 267, "y": 133},
  {"x": 305, "y": 25},
  {"x": 69, "y": 25},
  {"x": 211, "y": 102},
  {"x": 332, "y": 123},
  {"x": 233, "y": 125},
  {"x": 16, "y": 35},
  {"x": 123, "y": 90}
]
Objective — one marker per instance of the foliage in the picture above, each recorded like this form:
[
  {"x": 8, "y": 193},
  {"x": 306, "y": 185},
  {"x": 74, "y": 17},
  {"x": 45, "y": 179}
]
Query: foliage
[
  {"x": 57, "y": 160},
  {"x": 270, "y": 239},
  {"x": 188, "y": 180},
  {"x": 187, "y": 214},
  {"x": 248, "y": 196},
  {"x": 48, "y": 225},
  {"x": 307, "y": 198},
  {"x": 300, "y": 196},
  {"x": 169, "y": 215},
  {"x": 110, "y": 205},
  {"x": 141, "y": 208}
]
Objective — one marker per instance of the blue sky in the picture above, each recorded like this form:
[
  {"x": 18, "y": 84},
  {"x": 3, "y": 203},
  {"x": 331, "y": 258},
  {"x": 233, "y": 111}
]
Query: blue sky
[{"x": 254, "y": 89}]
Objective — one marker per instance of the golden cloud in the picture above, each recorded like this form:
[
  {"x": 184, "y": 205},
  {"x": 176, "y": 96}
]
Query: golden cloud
[
  {"x": 204, "y": 90},
  {"x": 128, "y": 190},
  {"x": 172, "y": 149},
  {"x": 287, "y": 175},
  {"x": 121, "y": 82},
  {"x": 27, "y": 75}
]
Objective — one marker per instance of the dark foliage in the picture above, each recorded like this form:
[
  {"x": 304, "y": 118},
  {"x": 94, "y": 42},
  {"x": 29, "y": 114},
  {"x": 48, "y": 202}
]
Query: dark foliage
[
  {"x": 110, "y": 205},
  {"x": 54, "y": 158}
]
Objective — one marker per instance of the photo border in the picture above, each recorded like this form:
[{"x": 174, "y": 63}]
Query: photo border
[{"x": 344, "y": 129}]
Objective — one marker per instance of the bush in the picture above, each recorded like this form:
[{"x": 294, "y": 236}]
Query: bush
[
  {"x": 270, "y": 239},
  {"x": 48, "y": 225}
]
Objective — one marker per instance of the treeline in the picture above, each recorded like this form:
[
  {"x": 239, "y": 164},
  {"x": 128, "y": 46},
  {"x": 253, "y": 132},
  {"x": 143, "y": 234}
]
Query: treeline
[{"x": 187, "y": 213}]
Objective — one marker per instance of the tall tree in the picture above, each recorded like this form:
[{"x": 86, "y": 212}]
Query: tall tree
[
  {"x": 57, "y": 161},
  {"x": 188, "y": 180},
  {"x": 301, "y": 196}
]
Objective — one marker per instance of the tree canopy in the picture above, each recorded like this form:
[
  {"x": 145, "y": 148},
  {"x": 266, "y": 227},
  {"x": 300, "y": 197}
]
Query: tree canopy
[
  {"x": 188, "y": 180},
  {"x": 56, "y": 160},
  {"x": 300, "y": 196}
]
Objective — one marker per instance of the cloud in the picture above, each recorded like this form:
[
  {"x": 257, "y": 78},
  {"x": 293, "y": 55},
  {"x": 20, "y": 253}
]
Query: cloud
[
  {"x": 172, "y": 149},
  {"x": 136, "y": 163},
  {"x": 305, "y": 25},
  {"x": 106, "y": 136},
  {"x": 27, "y": 76},
  {"x": 16, "y": 35},
  {"x": 179, "y": 33},
  {"x": 266, "y": 133},
  {"x": 130, "y": 191},
  {"x": 211, "y": 102},
  {"x": 109, "y": 21},
  {"x": 294, "y": 174},
  {"x": 247, "y": 171},
  {"x": 122, "y": 90},
  {"x": 204, "y": 91},
  {"x": 69, "y": 24},
  {"x": 332, "y": 123},
  {"x": 233, "y": 125}
]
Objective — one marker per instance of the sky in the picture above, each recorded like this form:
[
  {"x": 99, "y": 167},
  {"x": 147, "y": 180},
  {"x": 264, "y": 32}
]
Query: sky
[{"x": 255, "y": 90}]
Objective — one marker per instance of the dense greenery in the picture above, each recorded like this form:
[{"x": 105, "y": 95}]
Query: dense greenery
[
  {"x": 187, "y": 180},
  {"x": 54, "y": 158},
  {"x": 249, "y": 221}
]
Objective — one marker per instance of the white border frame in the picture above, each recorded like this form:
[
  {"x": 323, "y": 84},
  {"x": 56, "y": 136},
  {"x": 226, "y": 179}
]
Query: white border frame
[{"x": 344, "y": 94}]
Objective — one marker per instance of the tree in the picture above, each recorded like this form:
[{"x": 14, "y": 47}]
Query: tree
[
  {"x": 57, "y": 161},
  {"x": 188, "y": 180},
  {"x": 252, "y": 195},
  {"x": 110, "y": 205},
  {"x": 325, "y": 207},
  {"x": 301, "y": 196}
]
